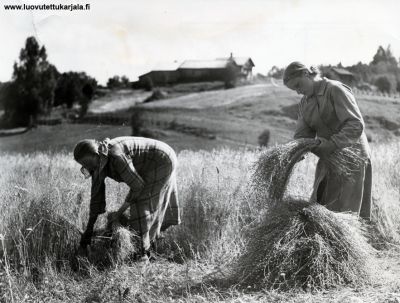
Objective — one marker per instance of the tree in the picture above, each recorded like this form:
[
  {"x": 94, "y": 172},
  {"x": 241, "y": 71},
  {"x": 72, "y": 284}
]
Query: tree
[
  {"x": 380, "y": 56},
  {"x": 124, "y": 81},
  {"x": 113, "y": 82},
  {"x": 231, "y": 74},
  {"x": 32, "y": 89},
  {"x": 75, "y": 87},
  {"x": 118, "y": 82},
  {"x": 87, "y": 95},
  {"x": 276, "y": 72},
  {"x": 383, "y": 84},
  {"x": 384, "y": 61}
]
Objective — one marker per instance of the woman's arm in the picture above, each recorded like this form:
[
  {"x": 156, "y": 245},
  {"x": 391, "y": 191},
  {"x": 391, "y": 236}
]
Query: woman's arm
[
  {"x": 349, "y": 115},
  {"x": 87, "y": 235},
  {"x": 97, "y": 206},
  {"x": 129, "y": 175},
  {"x": 303, "y": 130}
]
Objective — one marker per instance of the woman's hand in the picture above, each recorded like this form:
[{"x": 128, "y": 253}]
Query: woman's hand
[
  {"x": 325, "y": 148},
  {"x": 86, "y": 238},
  {"x": 113, "y": 217}
]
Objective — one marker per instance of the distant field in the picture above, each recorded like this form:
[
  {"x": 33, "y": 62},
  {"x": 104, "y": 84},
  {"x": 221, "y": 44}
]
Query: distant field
[
  {"x": 118, "y": 100},
  {"x": 233, "y": 118},
  {"x": 65, "y": 136},
  {"x": 242, "y": 113}
]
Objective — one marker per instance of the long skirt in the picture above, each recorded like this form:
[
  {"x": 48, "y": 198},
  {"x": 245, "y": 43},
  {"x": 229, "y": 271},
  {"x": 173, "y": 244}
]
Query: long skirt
[
  {"x": 157, "y": 207},
  {"x": 343, "y": 194}
]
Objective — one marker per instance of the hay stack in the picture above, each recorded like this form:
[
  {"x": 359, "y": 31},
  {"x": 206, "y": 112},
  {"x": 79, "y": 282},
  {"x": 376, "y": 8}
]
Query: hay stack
[{"x": 298, "y": 244}]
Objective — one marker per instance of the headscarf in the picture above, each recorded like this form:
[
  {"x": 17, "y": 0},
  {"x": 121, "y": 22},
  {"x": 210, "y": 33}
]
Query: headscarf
[
  {"x": 84, "y": 147},
  {"x": 293, "y": 70},
  {"x": 90, "y": 146},
  {"x": 103, "y": 152}
]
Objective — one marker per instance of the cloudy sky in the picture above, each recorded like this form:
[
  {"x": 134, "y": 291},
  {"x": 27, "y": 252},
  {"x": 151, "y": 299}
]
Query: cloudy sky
[{"x": 130, "y": 37}]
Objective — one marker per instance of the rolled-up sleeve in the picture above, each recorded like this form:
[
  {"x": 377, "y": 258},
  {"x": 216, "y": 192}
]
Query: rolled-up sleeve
[
  {"x": 125, "y": 169},
  {"x": 349, "y": 116}
]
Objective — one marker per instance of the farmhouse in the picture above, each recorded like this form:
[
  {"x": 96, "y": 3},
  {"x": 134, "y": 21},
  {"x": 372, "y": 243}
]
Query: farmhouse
[
  {"x": 161, "y": 75},
  {"x": 207, "y": 70},
  {"x": 220, "y": 69},
  {"x": 245, "y": 65},
  {"x": 341, "y": 74}
]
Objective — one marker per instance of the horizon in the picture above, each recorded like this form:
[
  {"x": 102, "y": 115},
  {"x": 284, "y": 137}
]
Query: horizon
[{"x": 130, "y": 38}]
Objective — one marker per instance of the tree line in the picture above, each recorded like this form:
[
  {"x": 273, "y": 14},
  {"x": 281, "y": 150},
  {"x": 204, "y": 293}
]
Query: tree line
[
  {"x": 383, "y": 71},
  {"x": 37, "y": 86}
]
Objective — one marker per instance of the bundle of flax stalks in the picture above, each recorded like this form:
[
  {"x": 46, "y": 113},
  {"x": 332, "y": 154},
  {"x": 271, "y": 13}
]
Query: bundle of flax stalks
[
  {"x": 116, "y": 243},
  {"x": 296, "y": 243},
  {"x": 274, "y": 167}
]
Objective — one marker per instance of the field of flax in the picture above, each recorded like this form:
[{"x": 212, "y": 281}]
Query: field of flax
[{"x": 44, "y": 202}]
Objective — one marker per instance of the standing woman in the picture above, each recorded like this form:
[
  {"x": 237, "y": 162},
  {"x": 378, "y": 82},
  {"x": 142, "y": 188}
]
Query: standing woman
[
  {"x": 328, "y": 111},
  {"x": 148, "y": 167}
]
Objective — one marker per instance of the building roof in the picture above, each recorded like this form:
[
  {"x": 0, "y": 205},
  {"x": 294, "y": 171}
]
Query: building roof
[
  {"x": 342, "y": 71},
  {"x": 209, "y": 64},
  {"x": 243, "y": 60},
  {"x": 163, "y": 67},
  {"x": 240, "y": 61},
  {"x": 166, "y": 66}
]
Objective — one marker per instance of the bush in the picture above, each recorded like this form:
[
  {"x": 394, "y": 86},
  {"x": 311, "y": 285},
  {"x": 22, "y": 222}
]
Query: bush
[
  {"x": 263, "y": 139},
  {"x": 383, "y": 84},
  {"x": 148, "y": 84},
  {"x": 157, "y": 94},
  {"x": 73, "y": 87},
  {"x": 118, "y": 82},
  {"x": 137, "y": 122}
]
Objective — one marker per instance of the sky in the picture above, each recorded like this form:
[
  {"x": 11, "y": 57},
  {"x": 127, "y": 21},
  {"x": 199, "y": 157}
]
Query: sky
[{"x": 131, "y": 37}]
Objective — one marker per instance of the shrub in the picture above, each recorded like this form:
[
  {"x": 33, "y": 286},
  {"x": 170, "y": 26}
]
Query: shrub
[
  {"x": 383, "y": 84},
  {"x": 157, "y": 94},
  {"x": 148, "y": 84},
  {"x": 263, "y": 139},
  {"x": 137, "y": 122}
]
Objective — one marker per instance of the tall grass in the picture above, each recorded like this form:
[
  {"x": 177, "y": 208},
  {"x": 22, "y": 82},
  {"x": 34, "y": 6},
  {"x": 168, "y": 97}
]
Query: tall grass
[{"x": 44, "y": 202}]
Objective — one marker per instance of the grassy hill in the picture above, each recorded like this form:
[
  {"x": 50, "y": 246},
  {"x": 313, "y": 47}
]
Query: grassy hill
[
  {"x": 205, "y": 119},
  {"x": 242, "y": 113}
]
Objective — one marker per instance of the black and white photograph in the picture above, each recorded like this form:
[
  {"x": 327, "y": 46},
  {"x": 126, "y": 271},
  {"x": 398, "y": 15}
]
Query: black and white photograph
[{"x": 200, "y": 151}]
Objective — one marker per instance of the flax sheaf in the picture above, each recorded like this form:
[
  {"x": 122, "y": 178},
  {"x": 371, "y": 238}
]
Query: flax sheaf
[
  {"x": 274, "y": 167},
  {"x": 298, "y": 244}
]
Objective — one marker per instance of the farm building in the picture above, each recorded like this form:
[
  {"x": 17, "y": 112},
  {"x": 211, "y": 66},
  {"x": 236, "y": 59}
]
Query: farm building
[
  {"x": 161, "y": 75},
  {"x": 245, "y": 64},
  {"x": 207, "y": 70},
  {"x": 222, "y": 69},
  {"x": 341, "y": 74}
]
